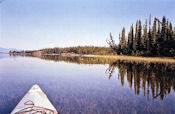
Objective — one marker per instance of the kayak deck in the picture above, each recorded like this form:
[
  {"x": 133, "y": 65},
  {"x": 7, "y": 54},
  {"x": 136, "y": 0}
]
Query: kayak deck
[{"x": 34, "y": 102}]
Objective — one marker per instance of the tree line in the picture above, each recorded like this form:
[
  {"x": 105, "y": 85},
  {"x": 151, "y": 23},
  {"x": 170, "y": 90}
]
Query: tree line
[
  {"x": 93, "y": 50},
  {"x": 156, "y": 40},
  {"x": 80, "y": 50}
]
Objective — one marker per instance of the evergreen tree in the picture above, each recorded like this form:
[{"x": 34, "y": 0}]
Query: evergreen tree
[
  {"x": 154, "y": 38},
  {"x": 159, "y": 40},
  {"x": 163, "y": 32},
  {"x": 150, "y": 37},
  {"x": 130, "y": 39},
  {"x": 145, "y": 37},
  {"x": 163, "y": 38},
  {"x": 136, "y": 37},
  {"x": 154, "y": 30},
  {"x": 123, "y": 39},
  {"x": 139, "y": 38},
  {"x": 170, "y": 32}
]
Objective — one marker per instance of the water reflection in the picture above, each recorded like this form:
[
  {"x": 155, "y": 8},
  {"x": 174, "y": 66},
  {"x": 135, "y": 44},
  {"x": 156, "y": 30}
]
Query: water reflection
[
  {"x": 75, "y": 87},
  {"x": 157, "y": 79},
  {"x": 78, "y": 60},
  {"x": 153, "y": 78},
  {"x": 3, "y": 55}
]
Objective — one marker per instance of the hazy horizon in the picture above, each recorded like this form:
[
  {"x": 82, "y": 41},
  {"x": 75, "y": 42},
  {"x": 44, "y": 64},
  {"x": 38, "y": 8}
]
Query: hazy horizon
[{"x": 38, "y": 24}]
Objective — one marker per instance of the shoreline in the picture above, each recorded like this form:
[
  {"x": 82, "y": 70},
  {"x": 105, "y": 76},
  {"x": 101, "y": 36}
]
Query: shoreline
[
  {"x": 114, "y": 57},
  {"x": 123, "y": 58}
]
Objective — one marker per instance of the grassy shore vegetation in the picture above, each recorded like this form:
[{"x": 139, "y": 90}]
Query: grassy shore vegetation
[
  {"x": 98, "y": 59},
  {"x": 133, "y": 59},
  {"x": 156, "y": 40}
]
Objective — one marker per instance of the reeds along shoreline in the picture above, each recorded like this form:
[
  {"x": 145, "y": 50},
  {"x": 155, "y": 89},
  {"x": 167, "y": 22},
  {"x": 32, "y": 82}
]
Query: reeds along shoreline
[
  {"x": 135, "y": 59},
  {"x": 132, "y": 59}
]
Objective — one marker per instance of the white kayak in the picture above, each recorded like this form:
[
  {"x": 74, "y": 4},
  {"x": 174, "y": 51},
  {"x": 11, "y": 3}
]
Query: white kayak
[{"x": 34, "y": 102}]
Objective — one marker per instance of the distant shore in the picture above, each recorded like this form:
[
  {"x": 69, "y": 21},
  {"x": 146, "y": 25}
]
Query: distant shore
[{"x": 116, "y": 57}]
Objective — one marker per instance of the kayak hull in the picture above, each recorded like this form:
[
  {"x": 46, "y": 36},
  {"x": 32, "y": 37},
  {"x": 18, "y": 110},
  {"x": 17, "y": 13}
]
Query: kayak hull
[{"x": 35, "y": 101}]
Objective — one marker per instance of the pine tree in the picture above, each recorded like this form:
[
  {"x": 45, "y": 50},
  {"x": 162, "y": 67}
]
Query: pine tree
[
  {"x": 154, "y": 38},
  {"x": 163, "y": 32},
  {"x": 130, "y": 39},
  {"x": 129, "y": 43},
  {"x": 154, "y": 30},
  {"x": 136, "y": 37},
  {"x": 139, "y": 43},
  {"x": 149, "y": 37},
  {"x": 123, "y": 39},
  {"x": 163, "y": 38},
  {"x": 145, "y": 37},
  {"x": 158, "y": 39},
  {"x": 170, "y": 32}
]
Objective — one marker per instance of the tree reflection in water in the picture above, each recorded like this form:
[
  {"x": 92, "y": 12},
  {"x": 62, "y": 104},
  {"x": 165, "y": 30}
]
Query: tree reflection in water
[
  {"x": 77, "y": 59},
  {"x": 155, "y": 77},
  {"x": 89, "y": 90}
]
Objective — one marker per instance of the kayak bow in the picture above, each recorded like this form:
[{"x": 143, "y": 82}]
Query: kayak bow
[{"x": 34, "y": 102}]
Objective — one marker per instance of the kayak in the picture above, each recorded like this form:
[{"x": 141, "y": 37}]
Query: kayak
[{"x": 34, "y": 102}]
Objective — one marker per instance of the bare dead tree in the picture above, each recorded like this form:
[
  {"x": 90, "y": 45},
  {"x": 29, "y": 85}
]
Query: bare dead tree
[{"x": 111, "y": 42}]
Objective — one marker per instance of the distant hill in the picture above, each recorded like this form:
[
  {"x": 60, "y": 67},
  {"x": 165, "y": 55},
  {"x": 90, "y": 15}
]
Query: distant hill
[{"x": 5, "y": 50}]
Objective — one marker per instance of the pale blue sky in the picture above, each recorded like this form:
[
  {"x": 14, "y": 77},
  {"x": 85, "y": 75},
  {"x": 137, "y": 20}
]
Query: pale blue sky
[{"x": 35, "y": 24}]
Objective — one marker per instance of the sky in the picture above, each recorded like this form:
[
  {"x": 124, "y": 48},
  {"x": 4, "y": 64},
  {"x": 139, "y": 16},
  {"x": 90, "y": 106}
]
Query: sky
[{"x": 36, "y": 24}]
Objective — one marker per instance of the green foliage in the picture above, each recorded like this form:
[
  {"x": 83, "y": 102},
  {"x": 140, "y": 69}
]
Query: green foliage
[
  {"x": 130, "y": 40},
  {"x": 159, "y": 40},
  {"x": 123, "y": 39},
  {"x": 79, "y": 50}
]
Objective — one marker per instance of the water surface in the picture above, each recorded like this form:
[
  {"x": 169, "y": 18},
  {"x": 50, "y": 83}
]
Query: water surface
[{"x": 89, "y": 85}]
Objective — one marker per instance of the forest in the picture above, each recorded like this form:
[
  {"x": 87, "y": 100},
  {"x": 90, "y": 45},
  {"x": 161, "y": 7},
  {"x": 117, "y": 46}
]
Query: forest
[
  {"x": 79, "y": 50},
  {"x": 157, "y": 40}
]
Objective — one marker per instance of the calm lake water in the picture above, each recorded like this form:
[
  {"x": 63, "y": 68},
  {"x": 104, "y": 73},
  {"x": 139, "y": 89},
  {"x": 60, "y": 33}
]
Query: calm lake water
[{"x": 89, "y": 85}]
